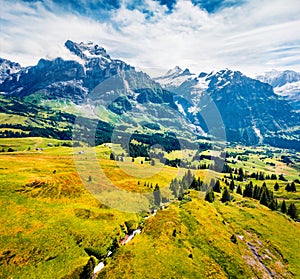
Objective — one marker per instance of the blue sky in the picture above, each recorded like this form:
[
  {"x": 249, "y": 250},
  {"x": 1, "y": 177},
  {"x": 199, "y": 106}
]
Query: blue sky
[{"x": 155, "y": 35}]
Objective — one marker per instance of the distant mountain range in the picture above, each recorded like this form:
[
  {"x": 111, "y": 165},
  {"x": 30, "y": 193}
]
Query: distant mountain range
[
  {"x": 251, "y": 111},
  {"x": 286, "y": 84},
  {"x": 95, "y": 86}
]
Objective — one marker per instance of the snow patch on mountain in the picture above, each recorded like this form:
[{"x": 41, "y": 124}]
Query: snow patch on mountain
[
  {"x": 180, "y": 108},
  {"x": 175, "y": 77},
  {"x": 286, "y": 84},
  {"x": 279, "y": 78},
  {"x": 7, "y": 68}
]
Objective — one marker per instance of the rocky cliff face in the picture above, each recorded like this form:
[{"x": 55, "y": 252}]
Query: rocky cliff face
[
  {"x": 250, "y": 110},
  {"x": 286, "y": 84},
  {"x": 246, "y": 109},
  {"x": 95, "y": 85},
  {"x": 8, "y": 68}
]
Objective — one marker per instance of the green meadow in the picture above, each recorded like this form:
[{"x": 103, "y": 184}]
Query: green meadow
[{"x": 60, "y": 205}]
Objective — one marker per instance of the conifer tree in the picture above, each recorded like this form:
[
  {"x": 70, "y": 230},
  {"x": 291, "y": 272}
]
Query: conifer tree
[
  {"x": 212, "y": 183},
  {"x": 256, "y": 192},
  {"x": 283, "y": 207},
  {"x": 288, "y": 187},
  {"x": 276, "y": 186},
  {"x": 225, "y": 195},
  {"x": 180, "y": 193},
  {"x": 190, "y": 177},
  {"x": 293, "y": 187},
  {"x": 264, "y": 200},
  {"x": 174, "y": 187},
  {"x": 231, "y": 186},
  {"x": 209, "y": 196},
  {"x": 273, "y": 176},
  {"x": 272, "y": 205},
  {"x": 217, "y": 187},
  {"x": 112, "y": 156},
  {"x": 157, "y": 195},
  {"x": 239, "y": 190},
  {"x": 199, "y": 182},
  {"x": 292, "y": 211}
]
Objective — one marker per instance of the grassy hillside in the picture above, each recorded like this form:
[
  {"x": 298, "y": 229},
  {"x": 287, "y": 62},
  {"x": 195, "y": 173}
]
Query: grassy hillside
[
  {"x": 193, "y": 240},
  {"x": 51, "y": 224}
]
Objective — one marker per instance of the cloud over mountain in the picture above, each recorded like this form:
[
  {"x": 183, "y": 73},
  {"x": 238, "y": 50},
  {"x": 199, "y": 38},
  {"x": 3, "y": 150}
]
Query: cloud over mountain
[{"x": 251, "y": 36}]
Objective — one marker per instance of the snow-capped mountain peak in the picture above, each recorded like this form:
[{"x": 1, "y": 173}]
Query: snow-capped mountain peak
[
  {"x": 87, "y": 50},
  {"x": 7, "y": 68},
  {"x": 175, "y": 77},
  {"x": 286, "y": 84},
  {"x": 279, "y": 78},
  {"x": 173, "y": 72}
]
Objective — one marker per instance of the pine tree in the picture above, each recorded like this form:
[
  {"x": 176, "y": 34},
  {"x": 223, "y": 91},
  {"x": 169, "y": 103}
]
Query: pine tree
[
  {"x": 288, "y": 187},
  {"x": 239, "y": 190},
  {"x": 225, "y": 195},
  {"x": 276, "y": 186},
  {"x": 256, "y": 192},
  {"x": 283, "y": 207},
  {"x": 190, "y": 178},
  {"x": 248, "y": 191},
  {"x": 292, "y": 211},
  {"x": 112, "y": 156},
  {"x": 264, "y": 200},
  {"x": 209, "y": 196},
  {"x": 212, "y": 183},
  {"x": 273, "y": 176},
  {"x": 174, "y": 187},
  {"x": 199, "y": 182},
  {"x": 180, "y": 193},
  {"x": 231, "y": 186},
  {"x": 217, "y": 187},
  {"x": 157, "y": 195},
  {"x": 194, "y": 184},
  {"x": 293, "y": 187},
  {"x": 272, "y": 205}
]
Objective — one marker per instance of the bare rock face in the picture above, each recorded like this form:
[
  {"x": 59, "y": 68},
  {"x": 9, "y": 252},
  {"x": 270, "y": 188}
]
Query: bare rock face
[{"x": 248, "y": 109}]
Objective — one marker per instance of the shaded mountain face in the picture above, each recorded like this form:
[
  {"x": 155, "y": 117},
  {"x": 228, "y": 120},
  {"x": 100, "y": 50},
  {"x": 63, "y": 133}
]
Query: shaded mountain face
[
  {"x": 286, "y": 84},
  {"x": 94, "y": 85},
  {"x": 7, "y": 68},
  {"x": 58, "y": 78},
  {"x": 249, "y": 109}
]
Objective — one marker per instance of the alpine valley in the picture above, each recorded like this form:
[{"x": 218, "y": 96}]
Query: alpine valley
[
  {"x": 106, "y": 172},
  {"x": 46, "y": 98}
]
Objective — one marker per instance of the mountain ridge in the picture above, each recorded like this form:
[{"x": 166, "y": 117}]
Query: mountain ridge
[
  {"x": 248, "y": 108},
  {"x": 286, "y": 84}
]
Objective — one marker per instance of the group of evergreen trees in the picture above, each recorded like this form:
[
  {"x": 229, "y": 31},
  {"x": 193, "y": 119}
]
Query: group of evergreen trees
[
  {"x": 239, "y": 174},
  {"x": 263, "y": 194},
  {"x": 266, "y": 198},
  {"x": 138, "y": 150},
  {"x": 290, "y": 187},
  {"x": 291, "y": 211},
  {"x": 189, "y": 181}
]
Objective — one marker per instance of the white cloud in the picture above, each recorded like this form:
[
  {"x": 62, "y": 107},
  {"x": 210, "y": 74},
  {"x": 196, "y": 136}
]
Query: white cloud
[{"x": 244, "y": 37}]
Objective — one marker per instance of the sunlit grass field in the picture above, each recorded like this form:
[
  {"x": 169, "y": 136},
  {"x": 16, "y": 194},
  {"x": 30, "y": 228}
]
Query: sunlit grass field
[{"x": 57, "y": 202}]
